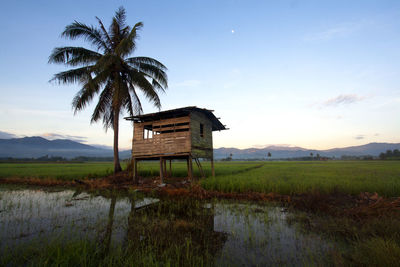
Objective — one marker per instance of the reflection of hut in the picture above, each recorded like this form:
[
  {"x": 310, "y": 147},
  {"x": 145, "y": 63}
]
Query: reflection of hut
[
  {"x": 168, "y": 224},
  {"x": 183, "y": 133}
]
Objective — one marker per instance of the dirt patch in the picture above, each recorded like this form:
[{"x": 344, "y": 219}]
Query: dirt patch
[
  {"x": 360, "y": 208},
  {"x": 37, "y": 181}
]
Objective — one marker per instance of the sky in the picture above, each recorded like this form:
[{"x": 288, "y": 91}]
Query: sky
[{"x": 315, "y": 74}]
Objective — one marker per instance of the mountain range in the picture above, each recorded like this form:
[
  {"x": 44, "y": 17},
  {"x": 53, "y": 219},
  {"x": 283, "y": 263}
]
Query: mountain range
[
  {"x": 279, "y": 152},
  {"x": 33, "y": 147}
]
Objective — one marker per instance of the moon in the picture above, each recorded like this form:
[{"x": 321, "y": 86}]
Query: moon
[{"x": 233, "y": 31}]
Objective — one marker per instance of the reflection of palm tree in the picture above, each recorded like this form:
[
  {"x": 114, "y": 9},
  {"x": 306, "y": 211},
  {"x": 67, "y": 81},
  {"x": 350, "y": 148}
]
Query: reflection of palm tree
[
  {"x": 131, "y": 231},
  {"x": 108, "y": 233}
]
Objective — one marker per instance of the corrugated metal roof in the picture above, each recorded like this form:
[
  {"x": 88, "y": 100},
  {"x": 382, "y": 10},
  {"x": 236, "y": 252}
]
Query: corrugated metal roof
[{"x": 179, "y": 112}]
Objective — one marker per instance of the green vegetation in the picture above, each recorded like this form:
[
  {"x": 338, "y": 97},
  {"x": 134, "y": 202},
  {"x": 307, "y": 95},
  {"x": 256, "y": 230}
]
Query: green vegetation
[
  {"x": 373, "y": 241},
  {"x": 189, "y": 232},
  {"x": 106, "y": 228},
  {"x": 390, "y": 155},
  {"x": 350, "y": 177},
  {"x": 109, "y": 72},
  {"x": 62, "y": 171}
]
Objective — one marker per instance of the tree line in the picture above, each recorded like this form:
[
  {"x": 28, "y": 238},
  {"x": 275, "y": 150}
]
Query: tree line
[{"x": 390, "y": 154}]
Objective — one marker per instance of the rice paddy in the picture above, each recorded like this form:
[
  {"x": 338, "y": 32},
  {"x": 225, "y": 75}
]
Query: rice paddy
[
  {"x": 59, "y": 226},
  {"x": 41, "y": 227},
  {"x": 350, "y": 177}
]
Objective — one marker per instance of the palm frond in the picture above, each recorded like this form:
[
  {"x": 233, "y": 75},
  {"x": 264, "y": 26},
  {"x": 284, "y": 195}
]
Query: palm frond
[
  {"x": 105, "y": 33},
  {"x": 114, "y": 32},
  {"x": 90, "y": 88},
  {"x": 84, "y": 96},
  {"x": 125, "y": 97},
  {"x": 89, "y": 33},
  {"x": 108, "y": 71},
  {"x": 127, "y": 45},
  {"x": 106, "y": 62},
  {"x": 120, "y": 16},
  {"x": 152, "y": 72},
  {"x": 72, "y": 76},
  {"x": 136, "y": 100},
  {"x": 138, "y": 80},
  {"x": 104, "y": 102},
  {"x": 157, "y": 86},
  {"x": 73, "y": 56},
  {"x": 146, "y": 60},
  {"x": 108, "y": 118},
  {"x": 128, "y": 105}
]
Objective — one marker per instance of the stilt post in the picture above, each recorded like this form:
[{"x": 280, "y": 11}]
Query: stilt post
[
  {"x": 165, "y": 167},
  {"x": 212, "y": 167},
  {"x": 135, "y": 171},
  {"x": 161, "y": 170},
  {"x": 190, "y": 168}
]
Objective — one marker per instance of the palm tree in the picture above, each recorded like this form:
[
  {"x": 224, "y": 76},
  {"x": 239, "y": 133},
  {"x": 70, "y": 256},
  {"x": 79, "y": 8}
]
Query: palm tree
[{"x": 110, "y": 72}]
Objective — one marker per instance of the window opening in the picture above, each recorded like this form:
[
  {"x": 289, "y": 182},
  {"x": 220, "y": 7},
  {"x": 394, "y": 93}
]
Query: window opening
[
  {"x": 148, "y": 132},
  {"x": 201, "y": 130}
]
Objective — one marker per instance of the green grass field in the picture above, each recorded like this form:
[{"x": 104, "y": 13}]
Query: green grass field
[
  {"x": 351, "y": 177},
  {"x": 62, "y": 171}
]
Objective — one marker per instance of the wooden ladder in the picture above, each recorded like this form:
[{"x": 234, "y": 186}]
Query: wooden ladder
[{"x": 199, "y": 166}]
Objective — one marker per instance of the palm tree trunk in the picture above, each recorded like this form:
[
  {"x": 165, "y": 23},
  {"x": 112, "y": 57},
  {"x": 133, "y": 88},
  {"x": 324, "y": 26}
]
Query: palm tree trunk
[{"x": 117, "y": 166}]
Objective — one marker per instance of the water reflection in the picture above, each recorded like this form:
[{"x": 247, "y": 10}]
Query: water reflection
[{"x": 218, "y": 232}]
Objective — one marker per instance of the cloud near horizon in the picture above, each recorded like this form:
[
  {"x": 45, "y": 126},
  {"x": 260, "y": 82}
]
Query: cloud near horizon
[
  {"x": 53, "y": 136},
  {"x": 342, "y": 100},
  {"x": 6, "y": 135},
  {"x": 359, "y": 137}
]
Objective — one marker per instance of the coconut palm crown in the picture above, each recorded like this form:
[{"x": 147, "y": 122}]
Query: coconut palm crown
[{"x": 110, "y": 72}]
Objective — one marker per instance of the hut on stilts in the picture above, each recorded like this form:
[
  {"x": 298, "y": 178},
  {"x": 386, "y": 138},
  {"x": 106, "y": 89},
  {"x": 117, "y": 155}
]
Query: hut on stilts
[{"x": 183, "y": 133}]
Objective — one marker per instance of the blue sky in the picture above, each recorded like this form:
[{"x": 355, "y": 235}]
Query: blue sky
[{"x": 316, "y": 74}]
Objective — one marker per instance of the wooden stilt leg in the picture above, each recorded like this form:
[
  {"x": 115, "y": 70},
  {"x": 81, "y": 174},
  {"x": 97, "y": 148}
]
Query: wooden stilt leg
[
  {"x": 165, "y": 168},
  {"x": 212, "y": 167},
  {"x": 199, "y": 166},
  {"x": 135, "y": 171},
  {"x": 187, "y": 163},
  {"x": 170, "y": 167},
  {"x": 190, "y": 168},
  {"x": 161, "y": 170}
]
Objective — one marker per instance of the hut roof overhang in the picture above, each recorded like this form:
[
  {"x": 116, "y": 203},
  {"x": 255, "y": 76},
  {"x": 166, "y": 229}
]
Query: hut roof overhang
[{"x": 179, "y": 112}]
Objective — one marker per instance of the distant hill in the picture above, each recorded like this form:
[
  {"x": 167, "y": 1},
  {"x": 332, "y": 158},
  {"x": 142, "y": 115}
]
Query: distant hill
[
  {"x": 33, "y": 147},
  {"x": 372, "y": 149}
]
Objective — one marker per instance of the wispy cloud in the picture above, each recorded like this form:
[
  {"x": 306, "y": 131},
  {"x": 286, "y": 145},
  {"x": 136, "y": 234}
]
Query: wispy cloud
[
  {"x": 359, "y": 137},
  {"x": 6, "y": 135},
  {"x": 187, "y": 83},
  {"x": 343, "y": 100},
  {"x": 53, "y": 136},
  {"x": 337, "y": 31},
  {"x": 340, "y": 100}
]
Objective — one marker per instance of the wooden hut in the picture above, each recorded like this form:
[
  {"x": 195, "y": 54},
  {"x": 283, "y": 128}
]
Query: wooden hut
[{"x": 183, "y": 133}]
